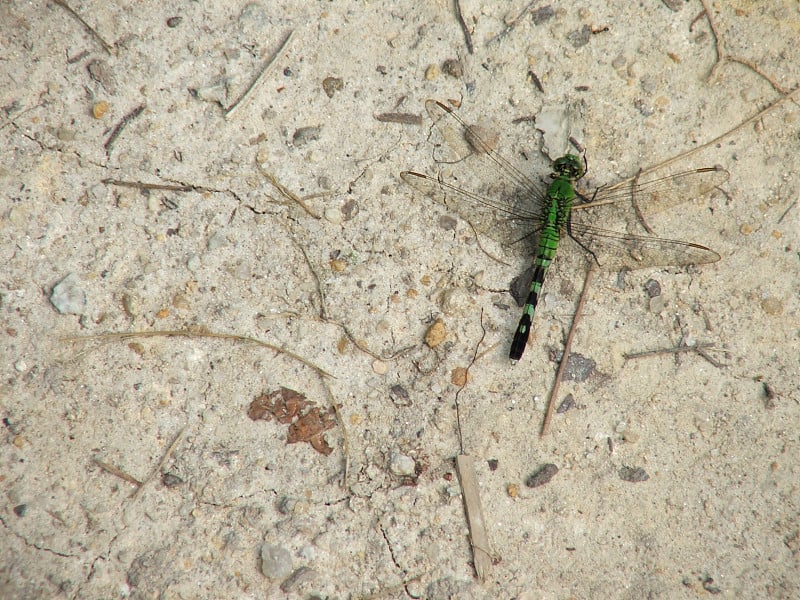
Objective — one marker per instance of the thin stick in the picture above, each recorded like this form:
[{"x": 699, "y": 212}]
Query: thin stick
[
  {"x": 699, "y": 349},
  {"x": 635, "y": 203},
  {"x": 466, "y": 379},
  {"x": 786, "y": 212},
  {"x": 286, "y": 192},
  {"x": 479, "y": 540},
  {"x": 464, "y": 28},
  {"x": 160, "y": 464},
  {"x": 231, "y": 110},
  {"x": 108, "y": 468},
  {"x": 123, "y": 335},
  {"x": 551, "y": 402},
  {"x": 121, "y": 125},
  {"x": 141, "y": 185},
  {"x": 106, "y": 46},
  {"x": 514, "y": 22}
]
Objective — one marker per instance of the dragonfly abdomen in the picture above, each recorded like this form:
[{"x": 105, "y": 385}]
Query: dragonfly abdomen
[{"x": 548, "y": 243}]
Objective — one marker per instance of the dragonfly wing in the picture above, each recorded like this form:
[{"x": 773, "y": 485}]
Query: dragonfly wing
[
  {"x": 492, "y": 218},
  {"x": 655, "y": 195},
  {"x": 615, "y": 251},
  {"x": 509, "y": 204}
]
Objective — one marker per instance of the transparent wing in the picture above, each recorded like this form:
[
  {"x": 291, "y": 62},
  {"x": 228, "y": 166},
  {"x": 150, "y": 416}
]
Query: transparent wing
[
  {"x": 656, "y": 195},
  {"x": 617, "y": 204},
  {"x": 509, "y": 205},
  {"x": 615, "y": 251}
]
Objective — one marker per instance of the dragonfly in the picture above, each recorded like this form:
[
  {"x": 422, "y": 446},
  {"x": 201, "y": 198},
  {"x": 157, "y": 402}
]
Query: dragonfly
[{"x": 514, "y": 207}]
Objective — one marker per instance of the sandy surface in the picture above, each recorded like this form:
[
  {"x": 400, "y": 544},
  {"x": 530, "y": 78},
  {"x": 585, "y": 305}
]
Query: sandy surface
[{"x": 130, "y": 467}]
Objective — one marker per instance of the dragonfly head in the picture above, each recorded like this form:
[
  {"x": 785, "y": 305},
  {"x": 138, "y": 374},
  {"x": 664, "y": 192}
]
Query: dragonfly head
[{"x": 569, "y": 166}]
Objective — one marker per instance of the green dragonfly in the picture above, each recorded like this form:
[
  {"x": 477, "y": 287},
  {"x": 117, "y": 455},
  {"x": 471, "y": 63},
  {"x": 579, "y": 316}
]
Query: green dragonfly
[{"x": 514, "y": 207}]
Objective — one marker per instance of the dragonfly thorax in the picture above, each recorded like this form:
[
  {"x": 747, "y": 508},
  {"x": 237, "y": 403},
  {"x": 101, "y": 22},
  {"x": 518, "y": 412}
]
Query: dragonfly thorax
[{"x": 568, "y": 166}]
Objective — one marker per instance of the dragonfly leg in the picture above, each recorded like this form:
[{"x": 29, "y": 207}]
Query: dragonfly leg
[{"x": 580, "y": 243}]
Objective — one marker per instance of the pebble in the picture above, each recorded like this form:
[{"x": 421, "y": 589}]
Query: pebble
[
  {"x": 459, "y": 376},
  {"x": 553, "y": 122},
  {"x": 456, "y": 301},
  {"x": 402, "y": 465},
  {"x": 657, "y": 304},
  {"x": 276, "y": 562},
  {"x": 772, "y": 306},
  {"x": 436, "y": 334},
  {"x": 653, "y": 288},
  {"x": 453, "y": 68},
  {"x": 379, "y": 367},
  {"x": 68, "y": 296},
  {"x": 99, "y": 109},
  {"x": 334, "y": 216},
  {"x": 542, "y": 476},
  {"x": 432, "y": 72},
  {"x": 299, "y": 577},
  {"x": 331, "y": 85},
  {"x": 131, "y": 305},
  {"x": 303, "y": 135},
  {"x": 633, "y": 474}
]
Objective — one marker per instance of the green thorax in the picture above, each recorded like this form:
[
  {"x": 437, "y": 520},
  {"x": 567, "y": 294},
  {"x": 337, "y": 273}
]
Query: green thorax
[{"x": 561, "y": 192}]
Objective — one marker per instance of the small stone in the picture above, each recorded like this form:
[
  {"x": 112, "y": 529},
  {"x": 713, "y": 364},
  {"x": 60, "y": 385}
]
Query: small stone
[
  {"x": 379, "y": 367},
  {"x": 334, "y": 216},
  {"x": 453, "y": 68},
  {"x": 579, "y": 368},
  {"x": 399, "y": 395},
  {"x": 542, "y": 476},
  {"x": 66, "y": 135},
  {"x": 131, "y": 305},
  {"x": 170, "y": 480},
  {"x": 566, "y": 404},
  {"x": 338, "y": 265},
  {"x": 99, "y": 109},
  {"x": 657, "y": 305},
  {"x": 540, "y": 15},
  {"x": 432, "y": 72},
  {"x": 512, "y": 489},
  {"x": 304, "y": 135},
  {"x": 745, "y": 229},
  {"x": 402, "y": 465},
  {"x": 456, "y": 301},
  {"x": 174, "y": 21},
  {"x": 301, "y": 576},
  {"x": 68, "y": 297},
  {"x": 20, "y": 510},
  {"x": 436, "y": 334},
  {"x": 20, "y": 366},
  {"x": 276, "y": 562},
  {"x": 102, "y": 73},
  {"x": 633, "y": 474},
  {"x": 772, "y": 306},
  {"x": 653, "y": 288},
  {"x": 331, "y": 85},
  {"x": 580, "y": 37},
  {"x": 459, "y": 376}
]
